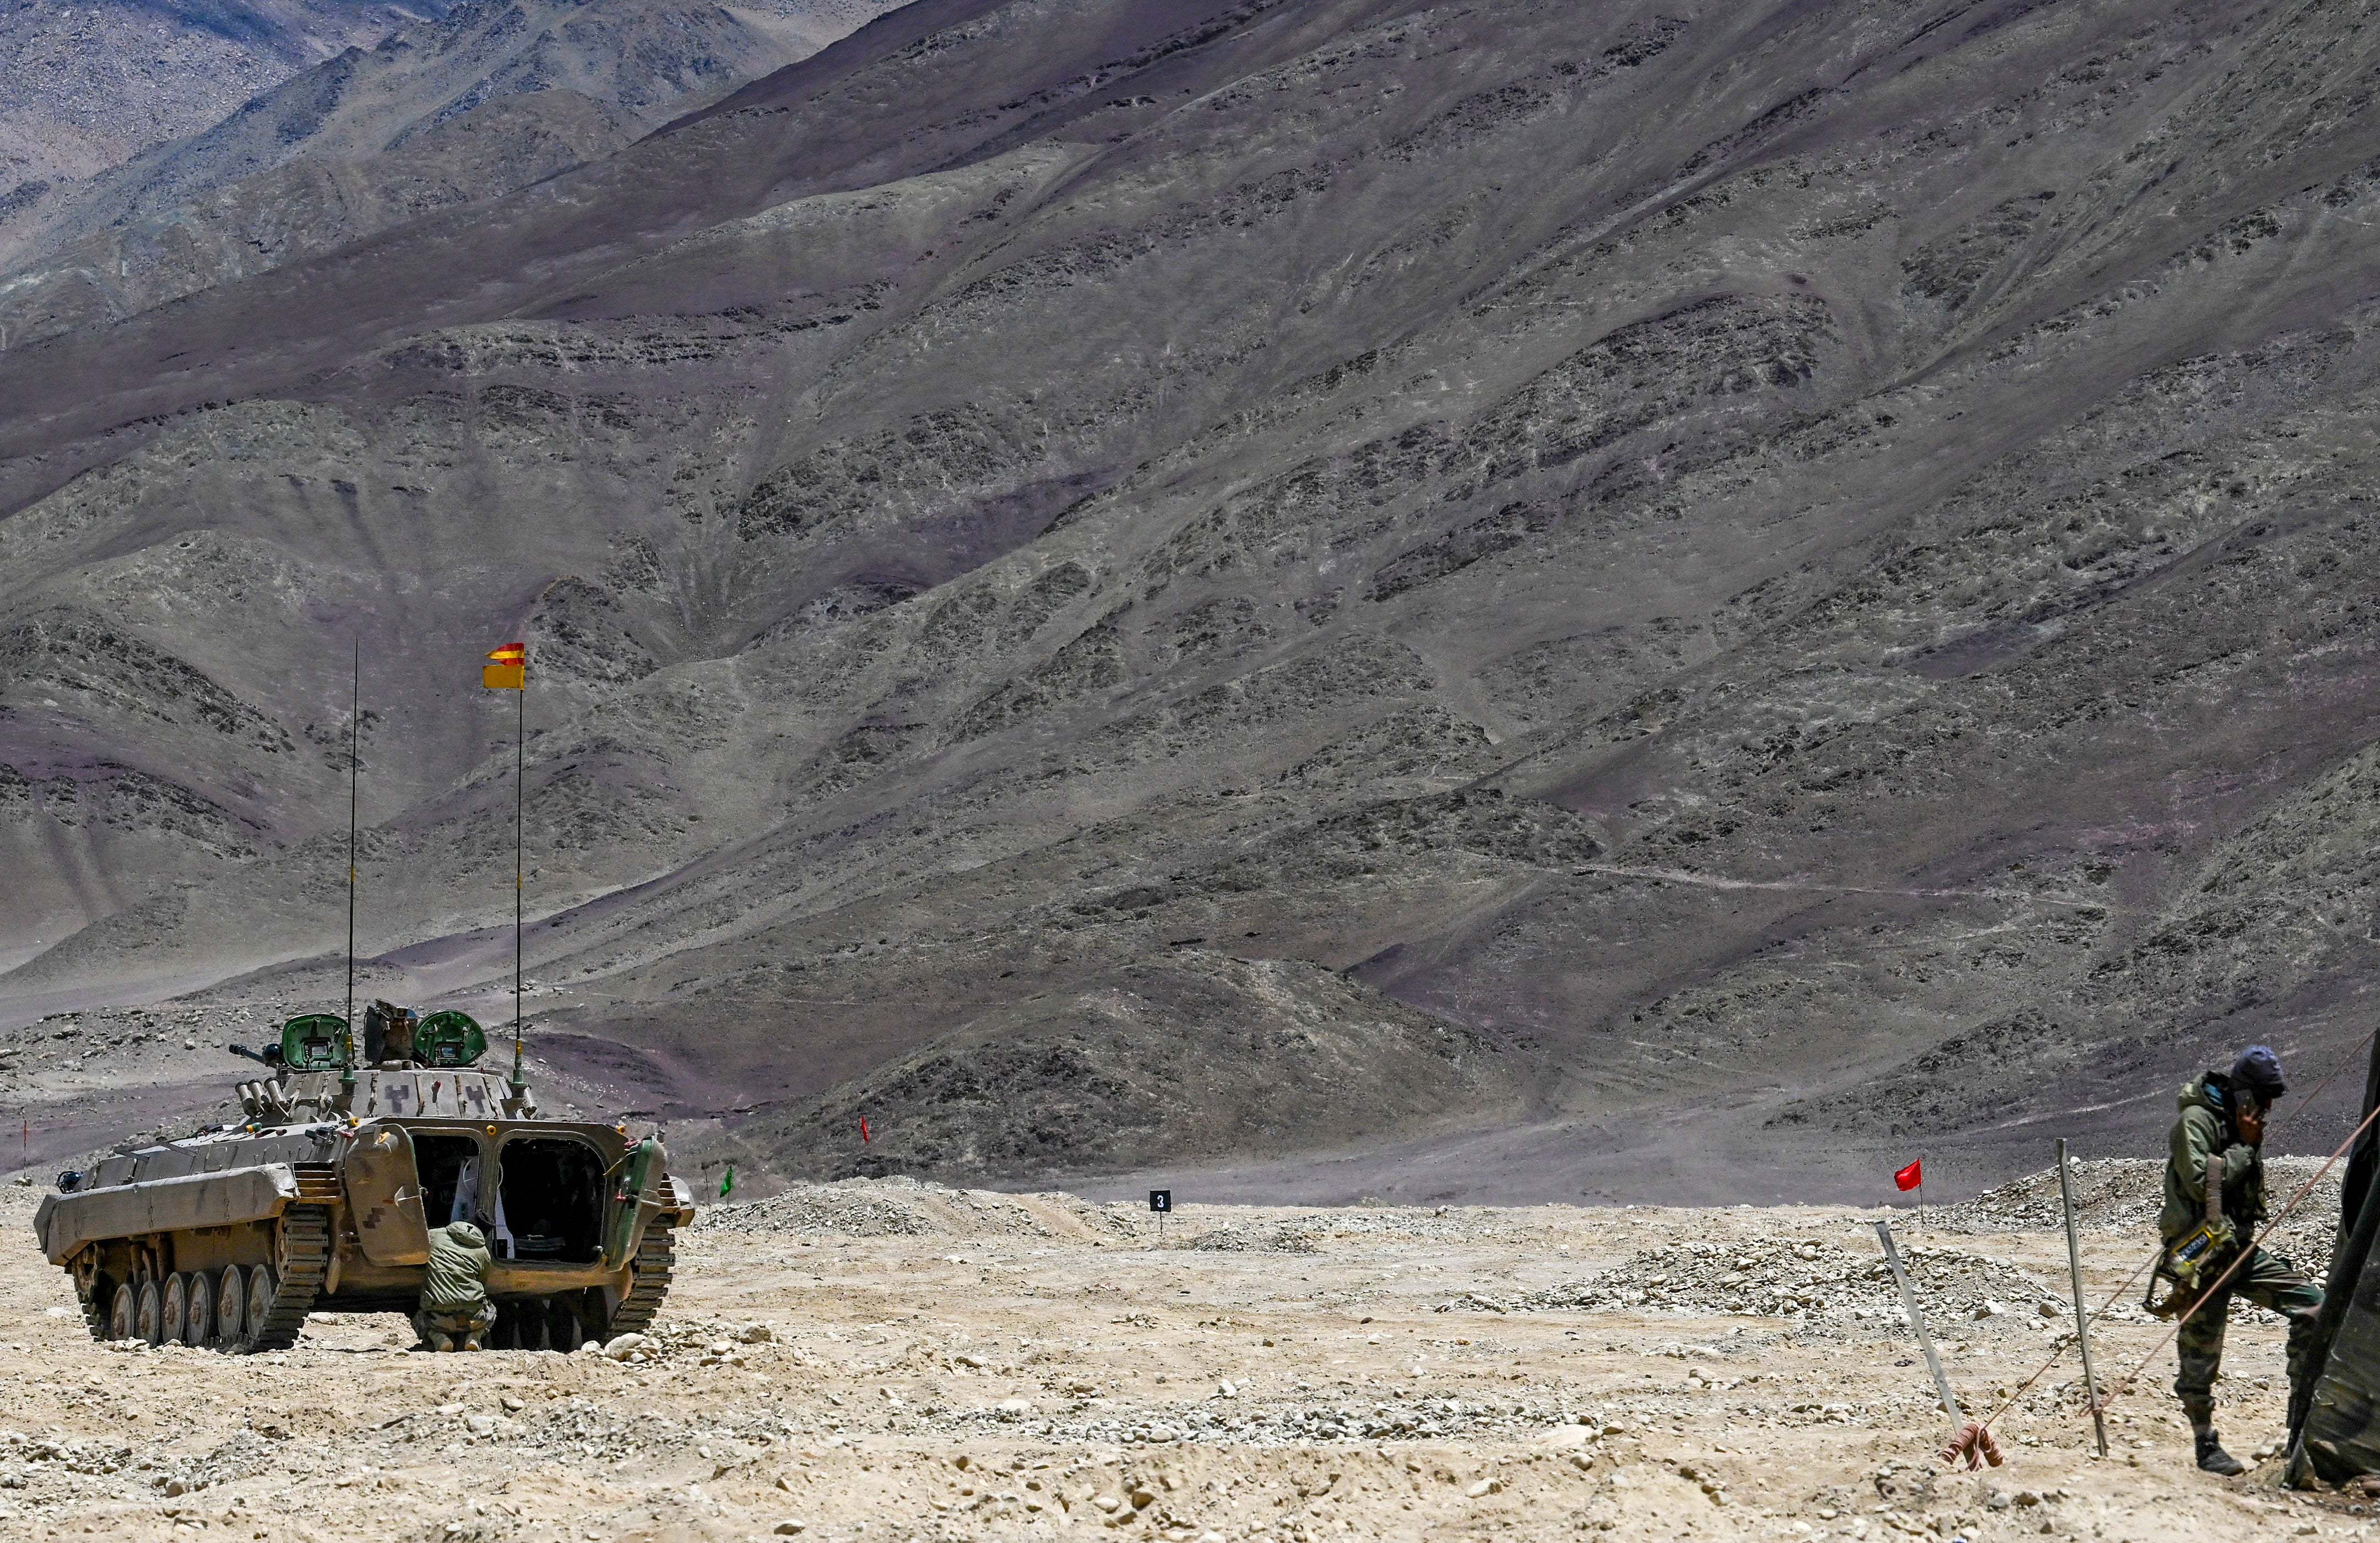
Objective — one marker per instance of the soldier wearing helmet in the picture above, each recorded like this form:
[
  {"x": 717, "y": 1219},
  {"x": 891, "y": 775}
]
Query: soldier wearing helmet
[{"x": 2221, "y": 1130}]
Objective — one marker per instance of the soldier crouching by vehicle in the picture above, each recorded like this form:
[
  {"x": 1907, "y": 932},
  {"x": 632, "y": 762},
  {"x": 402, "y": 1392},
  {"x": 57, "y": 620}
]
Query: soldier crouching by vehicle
[
  {"x": 455, "y": 1306},
  {"x": 2221, "y": 1132}
]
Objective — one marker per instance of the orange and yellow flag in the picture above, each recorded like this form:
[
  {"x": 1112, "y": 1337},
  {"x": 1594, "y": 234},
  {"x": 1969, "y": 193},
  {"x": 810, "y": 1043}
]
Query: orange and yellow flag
[{"x": 511, "y": 663}]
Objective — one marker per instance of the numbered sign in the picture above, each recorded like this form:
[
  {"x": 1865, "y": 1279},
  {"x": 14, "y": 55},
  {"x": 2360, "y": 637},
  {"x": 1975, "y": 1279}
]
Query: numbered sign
[{"x": 1160, "y": 1200}]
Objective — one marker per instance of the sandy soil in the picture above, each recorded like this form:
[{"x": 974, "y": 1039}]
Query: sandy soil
[{"x": 883, "y": 1360}]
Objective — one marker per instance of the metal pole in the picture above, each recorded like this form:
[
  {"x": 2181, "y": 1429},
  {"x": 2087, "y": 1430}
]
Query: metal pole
[
  {"x": 2082, "y": 1313},
  {"x": 354, "y": 761},
  {"x": 520, "y": 866},
  {"x": 1917, "y": 1321}
]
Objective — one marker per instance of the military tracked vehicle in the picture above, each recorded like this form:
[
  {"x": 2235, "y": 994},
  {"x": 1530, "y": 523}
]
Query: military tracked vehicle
[{"x": 323, "y": 1199}]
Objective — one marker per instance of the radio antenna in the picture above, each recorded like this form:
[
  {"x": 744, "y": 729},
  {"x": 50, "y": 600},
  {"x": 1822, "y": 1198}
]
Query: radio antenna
[{"x": 355, "y": 761}]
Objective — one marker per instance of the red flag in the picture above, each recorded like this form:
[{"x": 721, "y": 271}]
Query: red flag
[
  {"x": 863, "y": 1130},
  {"x": 1910, "y": 1176}
]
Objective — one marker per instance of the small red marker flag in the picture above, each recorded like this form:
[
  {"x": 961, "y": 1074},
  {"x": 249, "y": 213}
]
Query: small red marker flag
[
  {"x": 863, "y": 1130},
  {"x": 1910, "y": 1176}
]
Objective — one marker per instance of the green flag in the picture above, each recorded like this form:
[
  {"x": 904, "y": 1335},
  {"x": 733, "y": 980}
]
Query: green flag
[{"x": 727, "y": 1182}]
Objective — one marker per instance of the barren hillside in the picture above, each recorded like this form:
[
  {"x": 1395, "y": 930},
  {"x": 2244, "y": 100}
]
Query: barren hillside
[
  {"x": 85, "y": 87},
  {"x": 1797, "y": 579}
]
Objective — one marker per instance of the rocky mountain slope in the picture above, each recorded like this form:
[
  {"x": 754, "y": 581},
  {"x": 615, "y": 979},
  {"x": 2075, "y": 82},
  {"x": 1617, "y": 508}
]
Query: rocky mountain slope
[
  {"x": 495, "y": 95},
  {"x": 1802, "y": 574},
  {"x": 85, "y": 87}
]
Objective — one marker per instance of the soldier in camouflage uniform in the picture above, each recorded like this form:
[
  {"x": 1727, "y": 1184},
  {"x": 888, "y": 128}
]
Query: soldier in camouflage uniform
[
  {"x": 455, "y": 1306},
  {"x": 2224, "y": 1112}
]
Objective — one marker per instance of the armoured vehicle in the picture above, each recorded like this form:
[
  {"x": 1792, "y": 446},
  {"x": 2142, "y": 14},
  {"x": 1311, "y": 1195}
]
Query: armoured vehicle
[
  {"x": 2335, "y": 1397},
  {"x": 323, "y": 1199}
]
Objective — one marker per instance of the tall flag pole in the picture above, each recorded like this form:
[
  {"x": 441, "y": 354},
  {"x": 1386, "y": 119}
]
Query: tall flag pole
[
  {"x": 509, "y": 671},
  {"x": 354, "y": 761},
  {"x": 520, "y": 864}
]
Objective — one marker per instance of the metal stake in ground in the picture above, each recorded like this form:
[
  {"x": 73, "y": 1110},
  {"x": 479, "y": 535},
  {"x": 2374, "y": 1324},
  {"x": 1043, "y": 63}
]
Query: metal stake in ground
[
  {"x": 2082, "y": 1312},
  {"x": 1918, "y": 1322},
  {"x": 1968, "y": 1440}
]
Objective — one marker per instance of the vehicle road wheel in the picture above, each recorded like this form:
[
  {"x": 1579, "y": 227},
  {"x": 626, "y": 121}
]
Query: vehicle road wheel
[
  {"x": 149, "y": 1317},
  {"x": 231, "y": 1306},
  {"x": 199, "y": 1327},
  {"x": 174, "y": 1320},
  {"x": 261, "y": 1289},
  {"x": 124, "y": 1312}
]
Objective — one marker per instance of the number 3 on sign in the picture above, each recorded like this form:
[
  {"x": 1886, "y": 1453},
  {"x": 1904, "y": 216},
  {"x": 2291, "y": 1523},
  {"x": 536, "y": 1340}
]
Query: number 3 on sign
[{"x": 1160, "y": 1200}]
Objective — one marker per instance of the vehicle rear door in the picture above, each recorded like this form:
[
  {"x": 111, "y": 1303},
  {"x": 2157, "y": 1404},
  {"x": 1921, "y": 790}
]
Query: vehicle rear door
[{"x": 384, "y": 1195}]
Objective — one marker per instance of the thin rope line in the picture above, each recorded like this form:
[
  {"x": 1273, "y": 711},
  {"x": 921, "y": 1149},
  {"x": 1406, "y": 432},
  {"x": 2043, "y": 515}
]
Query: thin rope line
[
  {"x": 2057, "y": 1355},
  {"x": 2092, "y": 1400}
]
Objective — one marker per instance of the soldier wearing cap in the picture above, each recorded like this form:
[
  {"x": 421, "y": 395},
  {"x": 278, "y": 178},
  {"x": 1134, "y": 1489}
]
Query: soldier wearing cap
[{"x": 2223, "y": 1112}]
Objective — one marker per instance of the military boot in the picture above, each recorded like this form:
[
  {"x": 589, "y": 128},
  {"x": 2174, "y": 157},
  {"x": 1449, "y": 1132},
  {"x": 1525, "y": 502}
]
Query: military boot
[
  {"x": 471, "y": 1341},
  {"x": 2213, "y": 1458},
  {"x": 436, "y": 1340}
]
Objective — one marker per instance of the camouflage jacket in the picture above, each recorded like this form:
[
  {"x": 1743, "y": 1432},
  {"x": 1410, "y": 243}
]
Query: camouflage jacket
[
  {"x": 2205, "y": 1128},
  {"x": 459, "y": 1269}
]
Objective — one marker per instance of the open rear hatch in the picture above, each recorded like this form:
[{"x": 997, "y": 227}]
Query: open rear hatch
[{"x": 552, "y": 1199}]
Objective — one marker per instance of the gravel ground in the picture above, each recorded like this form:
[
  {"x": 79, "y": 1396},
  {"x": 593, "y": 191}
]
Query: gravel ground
[
  {"x": 887, "y": 1359},
  {"x": 910, "y": 1208}
]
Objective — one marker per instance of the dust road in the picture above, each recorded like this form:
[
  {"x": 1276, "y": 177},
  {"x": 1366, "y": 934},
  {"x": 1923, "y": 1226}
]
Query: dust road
[{"x": 888, "y": 1360}]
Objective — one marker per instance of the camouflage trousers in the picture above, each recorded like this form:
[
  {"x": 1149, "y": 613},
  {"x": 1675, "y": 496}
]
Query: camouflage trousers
[
  {"x": 454, "y": 1323},
  {"x": 2270, "y": 1281}
]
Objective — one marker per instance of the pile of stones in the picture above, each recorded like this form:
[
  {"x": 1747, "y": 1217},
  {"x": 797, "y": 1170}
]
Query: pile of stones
[
  {"x": 1290, "y": 1424},
  {"x": 898, "y": 1205},
  {"x": 2123, "y": 1193},
  {"x": 711, "y": 1340},
  {"x": 1808, "y": 1279},
  {"x": 22, "y": 1456},
  {"x": 855, "y": 1208},
  {"x": 1308, "y": 1234},
  {"x": 2109, "y": 1194},
  {"x": 1265, "y": 1237}
]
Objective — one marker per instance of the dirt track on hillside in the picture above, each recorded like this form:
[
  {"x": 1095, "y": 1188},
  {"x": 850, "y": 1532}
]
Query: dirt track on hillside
[{"x": 874, "y": 1360}]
